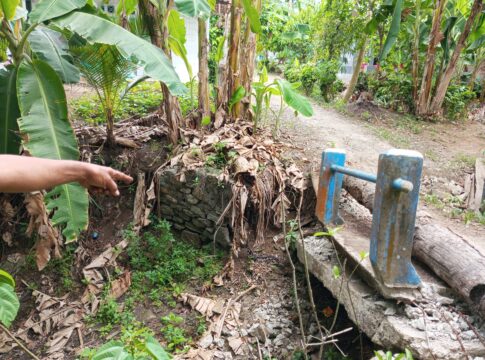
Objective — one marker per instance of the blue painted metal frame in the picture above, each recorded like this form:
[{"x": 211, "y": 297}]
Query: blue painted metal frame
[{"x": 395, "y": 206}]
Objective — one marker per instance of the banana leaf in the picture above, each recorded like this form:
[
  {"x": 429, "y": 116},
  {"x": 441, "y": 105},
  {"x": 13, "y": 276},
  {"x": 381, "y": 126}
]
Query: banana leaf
[
  {"x": 97, "y": 30},
  {"x": 393, "y": 31},
  {"x": 49, "y": 135},
  {"x": 9, "y": 111},
  {"x": 293, "y": 99},
  {"x": 177, "y": 38},
  {"x": 253, "y": 16},
  {"x": 8, "y": 8},
  {"x": 194, "y": 8},
  {"x": 49, "y": 9},
  {"x": 51, "y": 47}
]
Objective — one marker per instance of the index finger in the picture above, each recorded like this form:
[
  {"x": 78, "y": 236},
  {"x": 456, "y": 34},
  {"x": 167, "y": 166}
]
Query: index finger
[{"x": 119, "y": 176}]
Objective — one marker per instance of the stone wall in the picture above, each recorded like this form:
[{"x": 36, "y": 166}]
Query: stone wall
[{"x": 193, "y": 203}]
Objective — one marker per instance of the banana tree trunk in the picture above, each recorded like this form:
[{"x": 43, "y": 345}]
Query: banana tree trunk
[
  {"x": 158, "y": 30},
  {"x": 415, "y": 63},
  {"x": 248, "y": 62},
  {"x": 222, "y": 70},
  {"x": 435, "y": 38},
  {"x": 234, "y": 75},
  {"x": 442, "y": 86},
  {"x": 355, "y": 75},
  {"x": 171, "y": 106},
  {"x": 204, "y": 108}
]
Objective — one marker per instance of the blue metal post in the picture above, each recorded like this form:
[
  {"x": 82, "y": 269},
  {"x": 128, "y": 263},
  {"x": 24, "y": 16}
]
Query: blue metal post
[
  {"x": 329, "y": 187},
  {"x": 394, "y": 217}
]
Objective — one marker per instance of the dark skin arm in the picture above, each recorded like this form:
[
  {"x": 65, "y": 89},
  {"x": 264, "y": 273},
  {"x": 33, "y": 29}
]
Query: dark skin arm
[{"x": 26, "y": 174}]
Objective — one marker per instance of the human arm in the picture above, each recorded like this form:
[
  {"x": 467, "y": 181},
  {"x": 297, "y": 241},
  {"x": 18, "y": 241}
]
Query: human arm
[{"x": 25, "y": 174}]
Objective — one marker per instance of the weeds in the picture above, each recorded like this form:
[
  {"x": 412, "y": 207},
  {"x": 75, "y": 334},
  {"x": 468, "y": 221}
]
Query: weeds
[
  {"x": 162, "y": 266},
  {"x": 63, "y": 268},
  {"x": 221, "y": 158},
  {"x": 173, "y": 334},
  {"x": 462, "y": 161},
  {"x": 135, "y": 342}
]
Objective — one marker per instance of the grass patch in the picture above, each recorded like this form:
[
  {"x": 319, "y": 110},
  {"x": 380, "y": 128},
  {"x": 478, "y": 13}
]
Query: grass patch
[
  {"x": 141, "y": 100},
  {"x": 394, "y": 138},
  {"x": 162, "y": 267}
]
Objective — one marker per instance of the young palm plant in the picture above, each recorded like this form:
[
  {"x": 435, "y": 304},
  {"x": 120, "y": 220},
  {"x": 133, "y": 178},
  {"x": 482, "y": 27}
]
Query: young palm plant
[{"x": 106, "y": 70}]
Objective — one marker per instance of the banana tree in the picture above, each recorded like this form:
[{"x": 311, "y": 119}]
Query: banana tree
[
  {"x": 239, "y": 65},
  {"x": 262, "y": 91},
  {"x": 167, "y": 31},
  {"x": 33, "y": 101}
]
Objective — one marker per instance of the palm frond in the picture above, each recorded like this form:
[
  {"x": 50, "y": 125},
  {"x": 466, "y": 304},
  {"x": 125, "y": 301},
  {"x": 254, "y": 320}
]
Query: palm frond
[{"x": 104, "y": 68}]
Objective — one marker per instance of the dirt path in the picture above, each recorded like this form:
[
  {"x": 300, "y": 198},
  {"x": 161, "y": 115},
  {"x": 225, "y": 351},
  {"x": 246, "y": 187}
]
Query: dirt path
[{"x": 449, "y": 149}]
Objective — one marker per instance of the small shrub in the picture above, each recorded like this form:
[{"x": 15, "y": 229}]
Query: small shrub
[
  {"x": 395, "y": 91},
  {"x": 456, "y": 101},
  {"x": 327, "y": 79},
  {"x": 173, "y": 334},
  {"x": 292, "y": 71},
  {"x": 309, "y": 77},
  {"x": 221, "y": 157}
]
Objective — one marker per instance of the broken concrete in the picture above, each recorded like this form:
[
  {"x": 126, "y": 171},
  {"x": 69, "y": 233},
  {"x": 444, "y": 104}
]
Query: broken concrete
[{"x": 434, "y": 327}]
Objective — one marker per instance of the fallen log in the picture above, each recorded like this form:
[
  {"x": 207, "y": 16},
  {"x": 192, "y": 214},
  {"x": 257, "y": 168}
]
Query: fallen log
[
  {"x": 454, "y": 260},
  {"x": 361, "y": 191}
]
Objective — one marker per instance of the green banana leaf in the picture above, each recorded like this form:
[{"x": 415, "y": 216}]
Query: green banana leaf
[
  {"x": 51, "y": 47},
  {"x": 6, "y": 278},
  {"x": 128, "y": 5},
  {"x": 8, "y": 8},
  {"x": 252, "y": 15},
  {"x": 393, "y": 31},
  {"x": 194, "y": 8},
  {"x": 177, "y": 38},
  {"x": 9, "y": 111},
  {"x": 49, "y": 135},
  {"x": 293, "y": 99},
  {"x": 447, "y": 39},
  {"x": 9, "y": 304},
  {"x": 154, "y": 348},
  {"x": 113, "y": 350},
  {"x": 237, "y": 96},
  {"x": 97, "y": 30},
  {"x": 180, "y": 50},
  {"x": 49, "y": 9},
  {"x": 176, "y": 26}
]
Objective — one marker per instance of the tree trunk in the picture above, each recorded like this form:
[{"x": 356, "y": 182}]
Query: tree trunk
[
  {"x": 442, "y": 86},
  {"x": 171, "y": 105},
  {"x": 435, "y": 38},
  {"x": 415, "y": 65},
  {"x": 110, "y": 137},
  {"x": 248, "y": 62},
  {"x": 454, "y": 260},
  {"x": 158, "y": 30},
  {"x": 222, "y": 71},
  {"x": 234, "y": 75},
  {"x": 355, "y": 75},
  {"x": 204, "y": 107}
]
